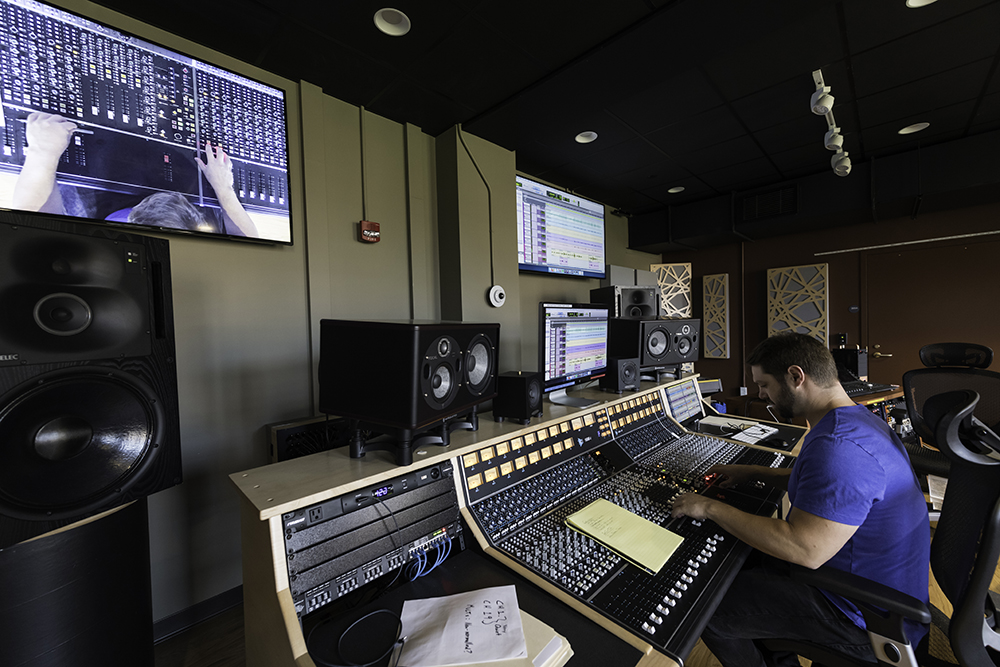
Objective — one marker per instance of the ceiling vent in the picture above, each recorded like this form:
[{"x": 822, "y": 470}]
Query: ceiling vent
[{"x": 770, "y": 204}]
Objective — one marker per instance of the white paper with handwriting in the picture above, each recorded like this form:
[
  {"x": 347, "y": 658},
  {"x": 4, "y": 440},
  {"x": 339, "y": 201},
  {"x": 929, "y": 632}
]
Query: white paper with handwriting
[{"x": 479, "y": 626}]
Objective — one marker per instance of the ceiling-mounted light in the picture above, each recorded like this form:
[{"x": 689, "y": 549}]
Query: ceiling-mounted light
[
  {"x": 916, "y": 127},
  {"x": 821, "y": 101},
  {"x": 392, "y": 22},
  {"x": 677, "y": 188},
  {"x": 586, "y": 137},
  {"x": 841, "y": 163},
  {"x": 833, "y": 139},
  {"x": 913, "y": 4}
]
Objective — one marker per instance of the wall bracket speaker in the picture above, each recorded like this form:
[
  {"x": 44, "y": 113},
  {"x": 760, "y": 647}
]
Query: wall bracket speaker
[
  {"x": 627, "y": 302},
  {"x": 519, "y": 397},
  {"x": 88, "y": 385}
]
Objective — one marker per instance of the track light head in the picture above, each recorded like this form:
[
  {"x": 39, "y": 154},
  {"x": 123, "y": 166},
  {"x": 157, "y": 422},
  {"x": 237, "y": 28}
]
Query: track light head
[
  {"x": 821, "y": 101},
  {"x": 833, "y": 139},
  {"x": 841, "y": 163}
]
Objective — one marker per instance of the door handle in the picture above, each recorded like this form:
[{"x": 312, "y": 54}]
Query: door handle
[{"x": 880, "y": 354}]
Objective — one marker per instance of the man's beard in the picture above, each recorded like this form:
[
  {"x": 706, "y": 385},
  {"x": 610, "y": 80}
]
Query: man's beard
[{"x": 784, "y": 402}]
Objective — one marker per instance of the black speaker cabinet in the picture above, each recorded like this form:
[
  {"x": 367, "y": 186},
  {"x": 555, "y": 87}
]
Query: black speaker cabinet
[
  {"x": 627, "y": 302},
  {"x": 622, "y": 375},
  {"x": 519, "y": 396},
  {"x": 426, "y": 371},
  {"x": 854, "y": 360},
  {"x": 88, "y": 385},
  {"x": 654, "y": 342}
]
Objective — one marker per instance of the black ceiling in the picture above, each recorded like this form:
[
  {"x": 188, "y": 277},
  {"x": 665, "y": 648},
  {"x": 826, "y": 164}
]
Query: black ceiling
[{"x": 711, "y": 95}]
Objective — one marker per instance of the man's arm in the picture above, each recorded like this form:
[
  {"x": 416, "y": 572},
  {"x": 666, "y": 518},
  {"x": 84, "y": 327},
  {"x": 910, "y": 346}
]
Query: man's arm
[
  {"x": 218, "y": 170},
  {"x": 804, "y": 538},
  {"x": 48, "y": 136}
]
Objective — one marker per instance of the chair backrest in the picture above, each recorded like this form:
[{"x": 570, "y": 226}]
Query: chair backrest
[
  {"x": 952, "y": 367},
  {"x": 966, "y": 545}
]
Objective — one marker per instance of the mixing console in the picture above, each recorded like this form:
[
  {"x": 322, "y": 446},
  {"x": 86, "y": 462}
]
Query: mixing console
[{"x": 632, "y": 454}]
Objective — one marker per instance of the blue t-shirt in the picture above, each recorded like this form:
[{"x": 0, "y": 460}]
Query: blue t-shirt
[{"x": 854, "y": 470}]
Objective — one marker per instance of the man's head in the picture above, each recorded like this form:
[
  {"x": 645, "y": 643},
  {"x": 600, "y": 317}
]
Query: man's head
[
  {"x": 786, "y": 360},
  {"x": 167, "y": 209}
]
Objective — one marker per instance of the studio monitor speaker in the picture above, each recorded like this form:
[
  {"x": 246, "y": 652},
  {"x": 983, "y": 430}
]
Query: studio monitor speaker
[
  {"x": 427, "y": 371},
  {"x": 627, "y": 302},
  {"x": 88, "y": 385},
  {"x": 519, "y": 396},
  {"x": 622, "y": 375},
  {"x": 654, "y": 342}
]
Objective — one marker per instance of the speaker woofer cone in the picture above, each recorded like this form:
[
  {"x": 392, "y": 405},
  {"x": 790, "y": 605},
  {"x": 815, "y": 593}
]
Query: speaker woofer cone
[
  {"x": 62, "y": 314},
  {"x": 479, "y": 365},
  {"x": 657, "y": 343},
  {"x": 72, "y": 441}
]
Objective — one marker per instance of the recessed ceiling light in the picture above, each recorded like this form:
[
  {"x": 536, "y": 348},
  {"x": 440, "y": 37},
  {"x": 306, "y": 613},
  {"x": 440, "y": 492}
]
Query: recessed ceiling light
[
  {"x": 392, "y": 22},
  {"x": 586, "y": 137},
  {"x": 913, "y": 4},
  {"x": 676, "y": 189},
  {"x": 916, "y": 127}
]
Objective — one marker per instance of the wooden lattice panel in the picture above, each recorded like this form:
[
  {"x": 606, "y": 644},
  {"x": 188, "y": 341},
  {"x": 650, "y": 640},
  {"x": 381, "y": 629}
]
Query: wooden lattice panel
[
  {"x": 797, "y": 300},
  {"x": 715, "y": 315},
  {"x": 675, "y": 289}
]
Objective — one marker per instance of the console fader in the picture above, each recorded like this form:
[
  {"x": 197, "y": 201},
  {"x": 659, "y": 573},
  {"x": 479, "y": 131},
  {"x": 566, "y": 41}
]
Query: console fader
[{"x": 521, "y": 491}]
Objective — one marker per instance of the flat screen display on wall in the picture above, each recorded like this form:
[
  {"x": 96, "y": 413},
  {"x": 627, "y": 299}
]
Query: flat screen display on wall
[
  {"x": 558, "y": 232},
  {"x": 100, "y": 125}
]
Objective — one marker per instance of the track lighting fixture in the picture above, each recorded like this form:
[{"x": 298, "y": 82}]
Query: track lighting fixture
[
  {"x": 841, "y": 163},
  {"x": 833, "y": 140},
  {"x": 821, "y": 101}
]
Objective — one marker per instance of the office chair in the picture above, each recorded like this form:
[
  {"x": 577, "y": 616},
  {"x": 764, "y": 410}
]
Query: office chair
[
  {"x": 964, "y": 555},
  {"x": 948, "y": 366}
]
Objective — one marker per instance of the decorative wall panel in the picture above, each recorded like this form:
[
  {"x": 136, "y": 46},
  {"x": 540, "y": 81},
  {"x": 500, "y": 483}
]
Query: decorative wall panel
[
  {"x": 797, "y": 299},
  {"x": 675, "y": 289},
  {"x": 715, "y": 315}
]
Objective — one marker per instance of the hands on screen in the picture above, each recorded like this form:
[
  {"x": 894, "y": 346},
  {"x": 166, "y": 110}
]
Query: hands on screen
[
  {"x": 47, "y": 136},
  {"x": 218, "y": 171}
]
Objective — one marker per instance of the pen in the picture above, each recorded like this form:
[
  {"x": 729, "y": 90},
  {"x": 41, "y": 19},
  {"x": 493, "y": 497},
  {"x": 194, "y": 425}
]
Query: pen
[{"x": 81, "y": 130}]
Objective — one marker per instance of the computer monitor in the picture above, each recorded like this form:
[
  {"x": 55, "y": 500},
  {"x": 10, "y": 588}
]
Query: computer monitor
[
  {"x": 684, "y": 400},
  {"x": 139, "y": 135},
  {"x": 558, "y": 233},
  {"x": 572, "y": 348}
]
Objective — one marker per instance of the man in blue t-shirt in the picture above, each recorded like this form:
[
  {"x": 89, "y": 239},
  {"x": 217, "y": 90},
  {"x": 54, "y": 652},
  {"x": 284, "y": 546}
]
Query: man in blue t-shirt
[{"x": 855, "y": 505}]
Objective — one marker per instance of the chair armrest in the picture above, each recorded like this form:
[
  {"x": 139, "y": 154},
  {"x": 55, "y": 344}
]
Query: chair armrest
[{"x": 870, "y": 596}]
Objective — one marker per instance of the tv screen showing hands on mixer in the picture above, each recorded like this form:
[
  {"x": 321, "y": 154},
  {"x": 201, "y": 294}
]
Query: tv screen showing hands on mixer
[{"x": 102, "y": 126}]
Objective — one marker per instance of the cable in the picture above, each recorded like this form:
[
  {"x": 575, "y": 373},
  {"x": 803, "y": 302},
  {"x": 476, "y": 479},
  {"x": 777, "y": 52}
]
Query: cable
[{"x": 489, "y": 200}]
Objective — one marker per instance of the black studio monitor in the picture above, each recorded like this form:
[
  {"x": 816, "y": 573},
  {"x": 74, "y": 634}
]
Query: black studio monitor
[
  {"x": 622, "y": 375},
  {"x": 88, "y": 384},
  {"x": 519, "y": 396}
]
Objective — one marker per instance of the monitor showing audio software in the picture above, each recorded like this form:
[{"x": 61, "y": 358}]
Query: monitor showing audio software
[
  {"x": 557, "y": 232},
  {"x": 684, "y": 400},
  {"x": 572, "y": 348},
  {"x": 100, "y": 125}
]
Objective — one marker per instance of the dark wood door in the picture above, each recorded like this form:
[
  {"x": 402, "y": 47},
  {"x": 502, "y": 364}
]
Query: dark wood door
[{"x": 919, "y": 295}]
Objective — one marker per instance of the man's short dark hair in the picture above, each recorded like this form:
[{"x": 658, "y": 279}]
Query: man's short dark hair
[
  {"x": 777, "y": 353},
  {"x": 166, "y": 209}
]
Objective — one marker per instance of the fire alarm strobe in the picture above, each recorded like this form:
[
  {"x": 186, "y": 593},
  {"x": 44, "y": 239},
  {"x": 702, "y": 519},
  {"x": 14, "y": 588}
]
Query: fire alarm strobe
[{"x": 369, "y": 232}]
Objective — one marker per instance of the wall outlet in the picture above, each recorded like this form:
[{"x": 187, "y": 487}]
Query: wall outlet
[{"x": 743, "y": 391}]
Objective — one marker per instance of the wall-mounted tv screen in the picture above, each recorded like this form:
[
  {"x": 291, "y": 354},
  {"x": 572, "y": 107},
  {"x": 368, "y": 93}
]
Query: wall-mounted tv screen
[
  {"x": 558, "y": 232},
  {"x": 100, "y": 125}
]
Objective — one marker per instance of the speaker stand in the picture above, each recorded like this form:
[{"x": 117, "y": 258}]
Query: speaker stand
[
  {"x": 80, "y": 595},
  {"x": 404, "y": 440}
]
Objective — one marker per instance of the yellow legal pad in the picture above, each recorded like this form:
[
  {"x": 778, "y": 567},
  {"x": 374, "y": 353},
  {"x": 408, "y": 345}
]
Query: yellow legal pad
[{"x": 639, "y": 540}]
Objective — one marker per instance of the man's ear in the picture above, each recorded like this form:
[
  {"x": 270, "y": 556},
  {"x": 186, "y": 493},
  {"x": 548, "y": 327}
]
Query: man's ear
[{"x": 796, "y": 376}]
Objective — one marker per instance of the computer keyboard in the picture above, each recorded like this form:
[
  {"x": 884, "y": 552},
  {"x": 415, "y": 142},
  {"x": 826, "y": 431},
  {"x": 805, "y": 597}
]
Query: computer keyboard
[
  {"x": 861, "y": 388},
  {"x": 754, "y": 434}
]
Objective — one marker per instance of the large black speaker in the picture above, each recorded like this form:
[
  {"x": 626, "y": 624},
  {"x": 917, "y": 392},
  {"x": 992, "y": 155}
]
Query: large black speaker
[
  {"x": 622, "y": 375},
  {"x": 627, "y": 302},
  {"x": 88, "y": 385},
  {"x": 519, "y": 396},
  {"x": 654, "y": 342},
  {"x": 405, "y": 374}
]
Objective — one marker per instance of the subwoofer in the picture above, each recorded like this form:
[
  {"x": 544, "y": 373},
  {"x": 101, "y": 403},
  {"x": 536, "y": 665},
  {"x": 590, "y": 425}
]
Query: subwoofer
[
  {"x": 654, "y": 342},
  {"x": 519, "y": 396},
  {"x": 622, "y": 375},
  {"x": 627, "y": 302},
  {"x": 434, "y": 370},
  {"x": 88, "y": 384}
]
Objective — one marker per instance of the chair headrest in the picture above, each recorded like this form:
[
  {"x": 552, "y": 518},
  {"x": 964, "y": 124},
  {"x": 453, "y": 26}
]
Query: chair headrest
[
  {"x": 957, "y": 431},
  {"x": 968, "y": 355}
]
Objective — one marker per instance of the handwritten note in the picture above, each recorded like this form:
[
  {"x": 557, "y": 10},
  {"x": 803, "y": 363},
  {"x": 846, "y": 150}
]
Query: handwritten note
[
  {"x": 639, "y": 540},
  {"x": 468, "y": 628}
]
